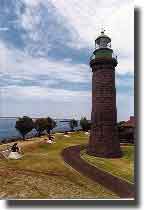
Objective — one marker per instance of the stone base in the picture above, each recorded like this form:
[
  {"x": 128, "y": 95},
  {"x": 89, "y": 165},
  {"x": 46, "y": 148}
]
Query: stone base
[
  {"x": 105, "y": 150},
  {"x": 104, "y": 155}
]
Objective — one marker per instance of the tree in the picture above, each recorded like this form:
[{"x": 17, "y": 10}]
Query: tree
[
  {"x": 24, "y": 125},
  {"x": 40, "y": 125},
  {"x": 120, "y": 124},
  {"x": 85, "y": 124},
  {"x": 73, "y": 123},
  {"x": 126, "y": 133},
  {"x": 50, "y": 124}
]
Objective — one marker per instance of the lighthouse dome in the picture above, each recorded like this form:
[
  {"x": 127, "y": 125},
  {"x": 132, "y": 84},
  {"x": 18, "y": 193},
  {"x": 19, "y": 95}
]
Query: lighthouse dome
[{"x": 102, "y": 41}]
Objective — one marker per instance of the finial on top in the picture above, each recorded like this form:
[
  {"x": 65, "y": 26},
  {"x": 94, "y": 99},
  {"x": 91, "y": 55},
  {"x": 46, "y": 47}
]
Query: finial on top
[{"x": 102, "y": 31}]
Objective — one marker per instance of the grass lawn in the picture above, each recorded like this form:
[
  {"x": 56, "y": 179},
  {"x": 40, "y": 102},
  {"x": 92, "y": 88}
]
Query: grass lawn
[
  {"x": 42, "y": 173},
  {"x": 122, "y": 167}
]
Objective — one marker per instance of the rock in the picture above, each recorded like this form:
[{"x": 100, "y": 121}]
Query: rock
[{"x": 14, "y": 155}]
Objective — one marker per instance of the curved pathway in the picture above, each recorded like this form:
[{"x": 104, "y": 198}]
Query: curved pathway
[{"x": 122, "y": 188}]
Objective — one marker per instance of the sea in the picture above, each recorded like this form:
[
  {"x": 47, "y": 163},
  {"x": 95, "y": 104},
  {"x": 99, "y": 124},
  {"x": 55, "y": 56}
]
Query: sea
[{"x": 8, "y": 131}]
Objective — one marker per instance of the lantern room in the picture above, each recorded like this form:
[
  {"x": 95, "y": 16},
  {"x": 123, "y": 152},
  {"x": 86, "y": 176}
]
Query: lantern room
[
  {"x": 102, "y": 41},
  {"x": 102, "y": 47}
]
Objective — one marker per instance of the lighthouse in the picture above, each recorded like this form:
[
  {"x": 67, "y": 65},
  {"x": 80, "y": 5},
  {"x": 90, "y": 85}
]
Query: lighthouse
[{"x": 104, "y": 141}]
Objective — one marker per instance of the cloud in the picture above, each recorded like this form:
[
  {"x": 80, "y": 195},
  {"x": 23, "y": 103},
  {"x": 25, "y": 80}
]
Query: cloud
[
  {"x": 24, "y": 77},
  {"x": 33, "y": 3},
  {"x": 125, "y": 81},
  {"x": 45, "y": 107},
  {"x": 46, "y": 27},
  {"x": 125, "y": 65},
  {"x": 87, "y": 17},
  {"x": 4, "y": 28},
  {"x": 22, "y": 93},
  {"x": 45, "y": 55},
  {"x": 16, "y": 62},
  {"x": 76, "y": 24},
  {"x": 125, "y": 106}
]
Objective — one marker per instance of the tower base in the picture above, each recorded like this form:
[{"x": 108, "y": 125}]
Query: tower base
[
  {"x": 106, "y": 147},
  {"x": 91, "y": 152}
]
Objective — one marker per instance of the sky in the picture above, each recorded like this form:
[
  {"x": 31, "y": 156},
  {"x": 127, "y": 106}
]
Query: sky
[{"x": 45, "y": 48}]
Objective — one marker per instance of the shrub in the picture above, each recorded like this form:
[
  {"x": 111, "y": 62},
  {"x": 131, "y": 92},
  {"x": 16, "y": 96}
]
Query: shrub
[
  {"x": 73, "y": 123},
  {"x": 50, "y": 124},
  {"x": 24, "y": 125},
  {"x": 40, "y": 125},
  {"x": 85, "y": 124}
]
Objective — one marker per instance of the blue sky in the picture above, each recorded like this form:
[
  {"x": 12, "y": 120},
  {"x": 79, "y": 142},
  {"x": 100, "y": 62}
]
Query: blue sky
[{"x": 45, "y": 47}]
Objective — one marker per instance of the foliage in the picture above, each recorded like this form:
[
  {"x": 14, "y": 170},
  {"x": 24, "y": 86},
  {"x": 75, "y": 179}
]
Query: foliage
[
  {"x": 126, "y": 134},
  {"x": 119, "y": 124},
  {"x": 73, "y": 123},
  {"x": 24, "y": 125},
  {"x": 50, "y": 124},
  {"x": 85, "y": 124},
  {"x": 41, "y": 125}
]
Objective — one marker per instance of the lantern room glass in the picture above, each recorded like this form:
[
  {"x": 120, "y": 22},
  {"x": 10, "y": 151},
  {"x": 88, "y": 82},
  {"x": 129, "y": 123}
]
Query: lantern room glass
[{"x": 103, "y": 44}]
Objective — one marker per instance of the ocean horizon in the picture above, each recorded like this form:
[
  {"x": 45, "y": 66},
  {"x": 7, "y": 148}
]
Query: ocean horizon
[{"x": 8, "y": 130}]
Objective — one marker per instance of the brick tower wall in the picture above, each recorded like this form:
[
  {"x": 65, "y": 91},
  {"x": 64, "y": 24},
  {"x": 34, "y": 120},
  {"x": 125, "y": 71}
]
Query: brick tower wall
[{"x": 103, "y": 137}]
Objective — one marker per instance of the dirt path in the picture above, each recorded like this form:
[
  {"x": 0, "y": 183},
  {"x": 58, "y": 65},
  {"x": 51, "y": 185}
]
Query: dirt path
[
  {"x": 10, "y": 170},
  {"x": 72, "y": 157}
]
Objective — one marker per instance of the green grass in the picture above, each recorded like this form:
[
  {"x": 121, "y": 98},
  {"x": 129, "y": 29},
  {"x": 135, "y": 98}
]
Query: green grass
[
  {"x": 42, "y": 173},
  {"x": 121, "y": 167}
]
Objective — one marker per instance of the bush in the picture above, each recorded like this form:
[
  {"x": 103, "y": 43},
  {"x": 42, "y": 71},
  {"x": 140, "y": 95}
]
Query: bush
[
  {"x": 126, "y": 134},
  {"x": 73, "y": 123},
  {"x": 85, "y": 124},
  {"x": 24, "y": 125},
  {"x": 41, "y": 124},
  {"x": 50, "y": 124}
]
